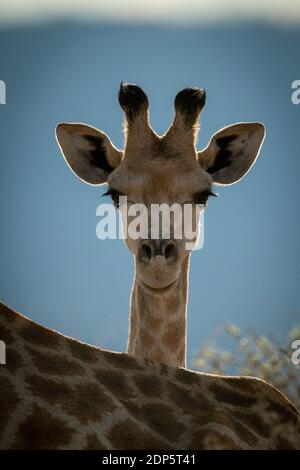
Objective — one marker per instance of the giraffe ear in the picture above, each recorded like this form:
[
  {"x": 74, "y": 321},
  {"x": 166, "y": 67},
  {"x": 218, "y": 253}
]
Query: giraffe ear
[
  {"x": 88, "y": 152},
  {"x": 232, "y": 151}
]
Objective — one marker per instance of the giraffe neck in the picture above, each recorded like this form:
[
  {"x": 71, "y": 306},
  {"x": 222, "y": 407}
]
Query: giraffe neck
[{"x": 158, "y": 322}]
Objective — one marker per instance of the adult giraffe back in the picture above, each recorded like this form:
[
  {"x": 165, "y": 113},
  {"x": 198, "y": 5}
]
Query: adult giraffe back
[{"x": 58, "y": 393}]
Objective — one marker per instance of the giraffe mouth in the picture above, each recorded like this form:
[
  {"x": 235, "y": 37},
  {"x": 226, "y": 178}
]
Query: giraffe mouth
[{"x": 158, "y": 290}]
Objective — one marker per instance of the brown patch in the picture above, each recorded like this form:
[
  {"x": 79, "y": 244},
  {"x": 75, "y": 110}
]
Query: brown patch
[
  {"x": 253, "y": 421},
  {"x": 6, "y": 335},
  {"x": 50, "y": 390},
  {"x": 116, "y": 383},
  {"x": 285, "y": 414},
  {"x": 182, "y": 398},
  {"x": 210, "y": 439},
  {"x": 54, "y": 363},
  {"x": 133, "y": 407},
  {"x": 39, "y": 336},
  {"x": 231, "y": 397},
  {"x": 40, "y": 430},
  {"x": 164, "y": 370},
  {"x": 173, "y": 336},
  {"x": 93, "y": 443},
  {"x": 148, "y": 385},
  {"x": 145, "y": 339},
  {"x": 87, "y": 402},
  {"x": 187, "y": 401},
  {"x": 127, "y": 435},
  {"x": 8, "y": 400},
  {"x": 173, "y": 303},
  {"x": 283, "y": 444},
  {"x": 154, "y": 323},
  {"x": 161, "y": 419},
  {"x": 243, "y": 384},
  {"x": 7, "y": 315},
  {"x": 186, "y": 377},
  {"x": 13, "y": 360},
  {"x": 122, "y": 360},
  {"x": 157, "y": 416},
  {"x": 83, "y": 352}
]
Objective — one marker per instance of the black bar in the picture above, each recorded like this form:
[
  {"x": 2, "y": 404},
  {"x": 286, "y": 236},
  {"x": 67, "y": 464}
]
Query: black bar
[{"x": 136, "y": 458}]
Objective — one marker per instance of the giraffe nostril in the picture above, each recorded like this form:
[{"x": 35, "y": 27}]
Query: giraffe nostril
[
  {"x": 170, "y": 252},
  {"x": 145, "y": 253}
]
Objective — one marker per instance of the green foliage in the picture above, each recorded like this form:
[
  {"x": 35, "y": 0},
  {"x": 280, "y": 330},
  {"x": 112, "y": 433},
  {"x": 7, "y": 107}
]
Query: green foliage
[{"x": 229, "y": 352}]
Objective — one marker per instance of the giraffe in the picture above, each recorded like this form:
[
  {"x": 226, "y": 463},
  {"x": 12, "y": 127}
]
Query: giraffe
[
  {"x": 59, "y": 393},
  {"x": 155, "y": 169}
]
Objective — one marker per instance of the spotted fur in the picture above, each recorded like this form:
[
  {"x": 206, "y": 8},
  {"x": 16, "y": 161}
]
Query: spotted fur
[{"x": 83, "y": 397}]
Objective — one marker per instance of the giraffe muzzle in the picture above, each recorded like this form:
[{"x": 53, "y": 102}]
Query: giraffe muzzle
[{"x": 150, "y": 249}]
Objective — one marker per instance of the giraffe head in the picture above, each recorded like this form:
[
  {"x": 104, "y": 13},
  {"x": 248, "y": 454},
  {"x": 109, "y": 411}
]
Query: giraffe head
[{"x": 164, "y": 169}]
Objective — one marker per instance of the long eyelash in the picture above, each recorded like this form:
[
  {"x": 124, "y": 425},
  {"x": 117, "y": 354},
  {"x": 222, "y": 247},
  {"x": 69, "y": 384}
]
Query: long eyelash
[
  {"x": 202, "y": 197},
  {"x": 114, "y": 194},
  {"x": 109, "y": 192}
]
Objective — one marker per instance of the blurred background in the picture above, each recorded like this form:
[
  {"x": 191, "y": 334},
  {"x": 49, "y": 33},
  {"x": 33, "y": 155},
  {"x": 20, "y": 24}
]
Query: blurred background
[{"x": 63, "y": 61}]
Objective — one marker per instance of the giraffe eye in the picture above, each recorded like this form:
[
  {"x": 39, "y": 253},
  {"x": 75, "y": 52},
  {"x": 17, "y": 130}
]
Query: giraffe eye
[
  {"x": 114, "y": 194},
  {"x": 202, "y": 197}
]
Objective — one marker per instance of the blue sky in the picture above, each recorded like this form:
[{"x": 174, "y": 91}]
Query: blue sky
[{"x": 54, "y": 269}]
